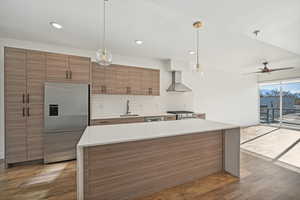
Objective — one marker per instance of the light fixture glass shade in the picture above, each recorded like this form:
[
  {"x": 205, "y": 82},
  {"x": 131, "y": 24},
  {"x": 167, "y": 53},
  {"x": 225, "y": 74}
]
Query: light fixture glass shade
[
  {"x": 103, "y": 57},
  {"x": 199, "y": 68}
]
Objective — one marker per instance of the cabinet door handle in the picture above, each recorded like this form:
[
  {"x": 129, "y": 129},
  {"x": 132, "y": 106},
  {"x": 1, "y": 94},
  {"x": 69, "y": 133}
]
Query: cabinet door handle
[
  {"x": 103, "y": 89},
  {"x": 128, "y": 90},
  {"x": 27, "y": 98},
  {"x": 28, "y": 114},
  {"x": 70, "y": 74},
  {"x": 67, "y": 76},
  {"x": 23, "y": 98},
  {"x": 23, "y": 112}
]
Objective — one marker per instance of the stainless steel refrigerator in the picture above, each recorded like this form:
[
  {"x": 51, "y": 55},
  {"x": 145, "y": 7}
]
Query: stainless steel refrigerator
[{"x": 66, "y": 115}]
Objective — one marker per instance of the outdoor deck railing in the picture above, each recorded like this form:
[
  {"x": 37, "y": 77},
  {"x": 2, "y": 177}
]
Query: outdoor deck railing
[{"x": 272, "y": 115}]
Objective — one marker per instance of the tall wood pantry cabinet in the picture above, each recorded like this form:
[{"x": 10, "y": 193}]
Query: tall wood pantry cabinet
[
  {"x": 25, "y": 72},
  {"x": 24, "y": 82}
]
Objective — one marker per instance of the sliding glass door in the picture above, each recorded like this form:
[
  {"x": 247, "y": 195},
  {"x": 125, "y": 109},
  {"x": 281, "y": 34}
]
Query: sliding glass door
[
  {"x": 290, "y": 104},
  {"x": 280, "y": 103},
  {"x": 270, "y": 104}
]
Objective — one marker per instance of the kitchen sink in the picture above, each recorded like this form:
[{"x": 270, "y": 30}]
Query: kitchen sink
[{"x": 129, "y": 115}]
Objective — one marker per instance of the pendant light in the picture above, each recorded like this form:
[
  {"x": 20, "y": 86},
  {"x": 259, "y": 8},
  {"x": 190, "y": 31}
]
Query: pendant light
[
  {"x": 103, "y": 56},
  {"x": 197, "y": 25}
]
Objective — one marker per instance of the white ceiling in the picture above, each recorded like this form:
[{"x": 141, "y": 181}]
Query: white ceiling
[{"x": 165, "y": 26}]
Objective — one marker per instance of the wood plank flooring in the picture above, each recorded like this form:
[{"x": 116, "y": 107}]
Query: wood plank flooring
[{"x": 260, "y": 180}]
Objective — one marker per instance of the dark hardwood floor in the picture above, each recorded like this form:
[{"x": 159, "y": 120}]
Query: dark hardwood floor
[{"x": 260, "y": 180}]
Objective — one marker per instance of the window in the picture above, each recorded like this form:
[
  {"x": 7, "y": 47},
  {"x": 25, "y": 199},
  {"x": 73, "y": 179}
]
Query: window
[{"x": 280, "y": 103}]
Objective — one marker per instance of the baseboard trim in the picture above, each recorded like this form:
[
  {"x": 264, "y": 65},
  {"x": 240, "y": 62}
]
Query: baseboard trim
[{"x": 32, "y": 162}]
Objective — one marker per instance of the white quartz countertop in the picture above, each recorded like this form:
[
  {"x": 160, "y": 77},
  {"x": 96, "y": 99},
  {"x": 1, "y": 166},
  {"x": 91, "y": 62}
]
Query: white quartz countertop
[
  {"x": 109, "y": 116},
  {"x": 110, "y": 134}
]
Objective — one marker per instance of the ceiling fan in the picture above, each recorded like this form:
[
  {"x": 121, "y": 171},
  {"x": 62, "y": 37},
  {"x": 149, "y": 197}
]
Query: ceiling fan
[{"x": 266, "y": 69}]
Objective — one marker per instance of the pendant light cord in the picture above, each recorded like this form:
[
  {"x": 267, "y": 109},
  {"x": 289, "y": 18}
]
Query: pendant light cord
[
  {"x": 104, "y": 27},
  {"x": 197, "y": 46}
]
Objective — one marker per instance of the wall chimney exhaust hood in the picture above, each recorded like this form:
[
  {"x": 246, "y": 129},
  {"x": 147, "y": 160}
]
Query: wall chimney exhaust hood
[{"x": 177, "y": 85}]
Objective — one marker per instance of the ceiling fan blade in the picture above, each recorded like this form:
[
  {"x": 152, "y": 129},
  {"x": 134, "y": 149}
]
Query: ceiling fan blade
[
  {"x": 253, "y": 73},
  {"x": 280, "y": 69}
]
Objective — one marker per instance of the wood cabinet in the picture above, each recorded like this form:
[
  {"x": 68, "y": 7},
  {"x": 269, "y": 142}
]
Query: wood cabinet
[
  {"x": 65, "y": 68},
  {"x": 135, "y": 81},
  {"x": 36, "y": 67},
  {"x": 117, "y": 121},
  {"x": 99, "y": 79},
  {"x": 24, "y": 83},
  {"x": 170, "y": 117},
  {"x": 126, "y": 120},
  {"x": 15, "y": 105},
  {"x": 57, "y": 67},
  {"x": 25, "y": 74},
  {"x": 120, "y": 79},
  {"x": 79, "y": 69},
  {"x": 200, "y": 115}
]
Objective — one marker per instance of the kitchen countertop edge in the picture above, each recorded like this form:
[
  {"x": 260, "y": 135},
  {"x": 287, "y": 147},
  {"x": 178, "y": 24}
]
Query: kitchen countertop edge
[{"x": 222, "y": 126}]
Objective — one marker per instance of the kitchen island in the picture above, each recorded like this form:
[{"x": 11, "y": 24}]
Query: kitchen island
[{"x": 127, "y": 161}]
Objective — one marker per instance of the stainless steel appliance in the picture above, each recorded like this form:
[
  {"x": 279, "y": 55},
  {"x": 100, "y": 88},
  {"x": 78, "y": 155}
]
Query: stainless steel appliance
[
  {"x": 154, "y": 119},
  {"x": 66, "y": 115},
  {"x": 177, "y": 85},
  {"x": 181, "y": 114}
]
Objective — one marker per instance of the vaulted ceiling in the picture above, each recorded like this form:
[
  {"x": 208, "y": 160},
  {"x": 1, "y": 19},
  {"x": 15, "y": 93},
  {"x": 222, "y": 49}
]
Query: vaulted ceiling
[{"x": 226, "y": 39}]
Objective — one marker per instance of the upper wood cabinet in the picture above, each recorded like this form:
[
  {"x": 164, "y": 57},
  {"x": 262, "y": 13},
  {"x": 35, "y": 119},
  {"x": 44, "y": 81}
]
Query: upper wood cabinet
[
  {"x": 119, "y": 79},
  {"x": 66, "y": 68},
  {"x": 98, "y": 77},
  {"x": 79, "y": 69},
  {"x": 57, "y": 67}
]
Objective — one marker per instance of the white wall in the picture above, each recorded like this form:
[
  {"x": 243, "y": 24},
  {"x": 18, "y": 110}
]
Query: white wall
[
  {"x": 226, "y": 96},
  {"x": 223, "y": 96}
]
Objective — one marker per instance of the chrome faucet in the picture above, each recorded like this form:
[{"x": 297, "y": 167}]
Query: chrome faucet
[{"x": 127, "y": 108}]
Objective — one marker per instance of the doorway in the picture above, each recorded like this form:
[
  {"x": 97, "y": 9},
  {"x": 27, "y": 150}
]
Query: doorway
[{"x": 280, "y": 103}]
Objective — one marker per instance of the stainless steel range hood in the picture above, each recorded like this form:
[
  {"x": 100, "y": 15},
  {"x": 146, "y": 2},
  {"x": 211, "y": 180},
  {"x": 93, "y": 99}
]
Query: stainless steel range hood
[{"x": 177, "y": 85}]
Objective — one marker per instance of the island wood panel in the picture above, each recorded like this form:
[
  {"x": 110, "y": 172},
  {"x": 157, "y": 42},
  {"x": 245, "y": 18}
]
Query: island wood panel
[
  {"x": 79, "y": 69},
  {"x": 36, "y": 75},
  {"x": 15, "y": 92},
  {"x": 135, "y": 169}
]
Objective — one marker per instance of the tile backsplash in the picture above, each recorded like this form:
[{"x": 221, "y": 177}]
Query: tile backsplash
[{"x": 103, "y": 105}]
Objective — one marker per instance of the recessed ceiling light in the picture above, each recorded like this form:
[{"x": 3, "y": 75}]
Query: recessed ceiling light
[
  {"x": 192, "y": 52},
  {"x": 56, "y": 25},
  {"x": 139, "y": 42}
]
